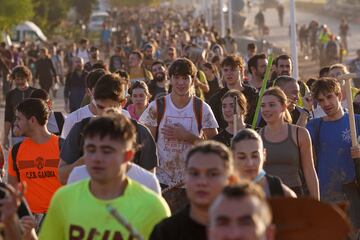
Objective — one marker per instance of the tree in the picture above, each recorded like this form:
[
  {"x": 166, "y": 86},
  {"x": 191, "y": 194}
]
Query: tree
[
  {"x": 14, "y": 12},
  {"x": 49, "y": 13},
  {"x": 84, "y": 8},
  {"x": 133, "y": 3}
]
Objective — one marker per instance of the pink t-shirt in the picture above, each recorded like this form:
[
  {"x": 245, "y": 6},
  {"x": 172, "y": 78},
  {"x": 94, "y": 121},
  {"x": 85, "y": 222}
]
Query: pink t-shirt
[{"x": 131, "y": 110}]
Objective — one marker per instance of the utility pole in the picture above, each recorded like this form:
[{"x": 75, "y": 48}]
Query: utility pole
[
  {"x": 293, "y": 38},
  {"x": 222, "y": 18},
  {"x": 230, "y": 14},
  {"x": 210, "y": 11}
]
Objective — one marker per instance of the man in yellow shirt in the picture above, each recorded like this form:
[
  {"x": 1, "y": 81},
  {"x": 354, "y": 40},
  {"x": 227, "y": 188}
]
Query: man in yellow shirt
[{"x": 80, "y": 210}]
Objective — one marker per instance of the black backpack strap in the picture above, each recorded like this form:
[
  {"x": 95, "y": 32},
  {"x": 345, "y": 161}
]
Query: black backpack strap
[
  {"x": 59, "y": 117},
  {"x": 14, "y": 152},
  {"x": 317, "y": 126},
  {"x": 198, "y": 111},
  {"x": 160, "y": 110},
  {"x": 276, "y": 189},
  {"x": 60, "y": 142},
  {"x": 301, "y": 170}
]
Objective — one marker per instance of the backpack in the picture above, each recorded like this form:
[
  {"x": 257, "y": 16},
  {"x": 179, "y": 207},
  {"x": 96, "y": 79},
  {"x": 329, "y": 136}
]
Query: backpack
[
  {"x": 161, "y": 107},
  {"x": 14, "y": 152}
]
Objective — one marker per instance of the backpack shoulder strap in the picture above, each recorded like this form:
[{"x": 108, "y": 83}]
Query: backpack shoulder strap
[
  {"x": 276, "y": 189},
  {"x": 316, "y": 145},
  {"x": 298, "y": 142},
  {"x": 60, "y": 142},
  {"x": 14, "y": 152},
  {"x": 198, "y": 111},
  {"x": 59, "y": 120},
  {"x": 160, "y": 110}
]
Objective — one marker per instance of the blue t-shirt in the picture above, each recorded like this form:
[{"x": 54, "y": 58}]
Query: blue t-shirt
[
  {"x": 332, "y": 143},
  {"x": 106, "y": 35}
]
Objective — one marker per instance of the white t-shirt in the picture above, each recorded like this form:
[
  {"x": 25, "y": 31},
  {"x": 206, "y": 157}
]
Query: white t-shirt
[
  {"x": 135, "y": 172},
  {"x": 75, "y": 117},
  {"x": 79, "y": 115},
  {"x": 172, "y": 153},
  {"x": 84, "y": 54}
]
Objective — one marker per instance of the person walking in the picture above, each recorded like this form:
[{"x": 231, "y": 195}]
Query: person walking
[
  {"x": 45, "y": 71},
  {"x": 279, "y": 134}
]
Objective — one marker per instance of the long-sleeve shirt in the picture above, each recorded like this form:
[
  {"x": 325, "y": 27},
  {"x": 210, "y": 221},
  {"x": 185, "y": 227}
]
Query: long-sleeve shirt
[{"x": 45, "y": 70}]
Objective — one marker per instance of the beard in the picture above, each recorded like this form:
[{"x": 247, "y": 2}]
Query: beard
[
  {"x": 285, "y": 73},
  {"x": 159, "y": 77}
]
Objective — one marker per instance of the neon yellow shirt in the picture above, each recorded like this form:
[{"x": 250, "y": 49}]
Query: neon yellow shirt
[{"x": 75, "y": 213}]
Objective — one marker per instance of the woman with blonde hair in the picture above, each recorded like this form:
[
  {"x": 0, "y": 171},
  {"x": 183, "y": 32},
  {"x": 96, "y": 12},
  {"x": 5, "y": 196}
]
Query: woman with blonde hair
[{"x": 288, "y": 146}]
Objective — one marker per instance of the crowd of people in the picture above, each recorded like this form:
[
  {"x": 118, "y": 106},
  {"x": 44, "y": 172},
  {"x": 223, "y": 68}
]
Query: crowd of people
[
  {"x": 162, "y": 139},
  {"x": 325, "y": 45}
]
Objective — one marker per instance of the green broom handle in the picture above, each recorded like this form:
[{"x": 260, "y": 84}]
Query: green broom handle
[{"x": 262, "y": 90}]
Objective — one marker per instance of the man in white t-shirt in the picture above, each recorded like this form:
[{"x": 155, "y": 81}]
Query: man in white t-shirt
[
  {"x": 179, "y": 127},
  {"x": 108, "y": 92},
  {"x": 89, "y": 110},
  {"x": 82, "y": 51}
]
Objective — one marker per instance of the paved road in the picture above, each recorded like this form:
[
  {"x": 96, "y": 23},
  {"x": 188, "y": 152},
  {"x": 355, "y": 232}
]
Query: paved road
[{"x": 280, "y": 35}]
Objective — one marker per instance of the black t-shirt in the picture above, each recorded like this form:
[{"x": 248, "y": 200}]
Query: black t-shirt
[
  {"x": 146, "y": 157},
  {"x": 213, "y": 88},
  {"x": 33, "y": 54},
  {"x": 13, "y": 98},
  {"x": 179, "y": 227},
  {"x": 224, "y": 137},
  {"x": 215, "y": 104},
  {"x": 295, "y": 114},
  {"x": 45, "y": 70}
]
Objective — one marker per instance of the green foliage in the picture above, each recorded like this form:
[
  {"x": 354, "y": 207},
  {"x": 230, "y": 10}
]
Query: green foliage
[
  {"x": 50, "y": 13},
  {"x": 84, "y": 8},
  {"x": 13, "y": 12},
  {"x": 133, "y": 3}
]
